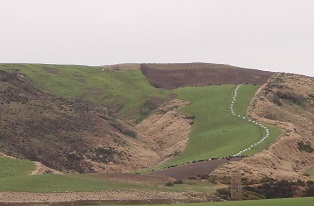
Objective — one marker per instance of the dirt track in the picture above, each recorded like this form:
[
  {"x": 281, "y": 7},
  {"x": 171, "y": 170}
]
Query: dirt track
[
  {"x": 194, "y": 169},
  {"x": 122, "y": 195},
  {"x": 171, "y": 76}
]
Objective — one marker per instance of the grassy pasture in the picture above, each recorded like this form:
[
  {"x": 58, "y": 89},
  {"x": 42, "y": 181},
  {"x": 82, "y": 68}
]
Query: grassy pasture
[
  {"x": 216, "y": 132},
  {"x": 15, "y": 177},
  {"x": 87, "y": 183},
  {"x": 124, "y": 91},
  {"x": 15, "y": 167},
  {"x": 306, "y": 201},
  {"x": 62, "y": 183}
]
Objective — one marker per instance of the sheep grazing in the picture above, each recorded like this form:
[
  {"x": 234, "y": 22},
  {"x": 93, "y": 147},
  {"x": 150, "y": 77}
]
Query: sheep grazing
[{"x": 249, "y": 120}]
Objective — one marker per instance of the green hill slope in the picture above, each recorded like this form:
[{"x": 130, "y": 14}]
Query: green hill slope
[
  {"x": 126, "y": 92},
  {"x": 15, "y": 167},
  {"x": 216, "y": 132}
]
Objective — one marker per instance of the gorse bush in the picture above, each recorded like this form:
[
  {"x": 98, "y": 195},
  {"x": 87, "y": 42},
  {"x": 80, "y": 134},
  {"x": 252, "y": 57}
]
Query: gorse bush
[
  {"x": 130, "y": 133},
  {"x": 291, "y": 97},
  {"x": 305, "y": 147},
  {"x": 169, "y": 184}
]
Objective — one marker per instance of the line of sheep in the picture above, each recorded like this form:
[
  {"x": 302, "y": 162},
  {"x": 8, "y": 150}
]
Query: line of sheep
[{"x": 249, "y": 120}]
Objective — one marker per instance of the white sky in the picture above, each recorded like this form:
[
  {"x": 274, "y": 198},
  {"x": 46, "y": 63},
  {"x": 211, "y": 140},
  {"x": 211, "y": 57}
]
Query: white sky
[{"x": 276, "y": 35}]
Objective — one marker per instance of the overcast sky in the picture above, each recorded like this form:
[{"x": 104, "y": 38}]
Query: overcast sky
[{"x": 276, "y": 35}]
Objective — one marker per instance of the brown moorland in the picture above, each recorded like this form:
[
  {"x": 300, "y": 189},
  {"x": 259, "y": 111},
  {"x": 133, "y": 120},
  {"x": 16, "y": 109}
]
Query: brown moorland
[{"x": 171, "y": 76}]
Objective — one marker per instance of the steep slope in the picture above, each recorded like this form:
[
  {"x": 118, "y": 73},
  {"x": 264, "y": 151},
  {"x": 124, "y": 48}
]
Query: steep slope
[
  {"x": 167, "y": 130},
  {"x": 286, "y": 101},
  {"x": 63, "y": 134},
  {"x": 170, "y": 76},
  {"x": 86, "y": 135},
  {"x": 120, "y": 88}
]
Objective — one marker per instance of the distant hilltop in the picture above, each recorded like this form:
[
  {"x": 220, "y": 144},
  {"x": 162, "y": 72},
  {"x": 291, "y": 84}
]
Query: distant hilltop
[{"x": 170, "y": 76}]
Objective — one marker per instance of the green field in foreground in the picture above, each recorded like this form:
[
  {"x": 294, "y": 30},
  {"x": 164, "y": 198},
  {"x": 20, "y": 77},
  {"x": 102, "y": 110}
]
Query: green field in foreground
[
  {"x": 216, "y": 132},
  {"x": 306, "y": 201},
  {"x": 89, "y": 183},
  {"x": 125, "y": 91},
  {"x": 62, "y": 183},
  {"x": 15, "y": 177}
]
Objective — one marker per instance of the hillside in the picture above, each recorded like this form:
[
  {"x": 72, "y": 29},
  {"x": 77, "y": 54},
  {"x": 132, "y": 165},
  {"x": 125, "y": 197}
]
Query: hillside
[
  {"x": 171, "y": 76},
  {"x": 65, "y": 134},
  {"x": 93, "y": 121},
  {"x": 111, "y": 119},
  {"x": 286, "y": 101},
  {"x": 122, "y": 89}
]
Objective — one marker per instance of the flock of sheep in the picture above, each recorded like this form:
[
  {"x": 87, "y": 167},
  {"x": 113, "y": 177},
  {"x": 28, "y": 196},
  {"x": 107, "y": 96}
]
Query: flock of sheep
[{"x": 249, "y": 120}]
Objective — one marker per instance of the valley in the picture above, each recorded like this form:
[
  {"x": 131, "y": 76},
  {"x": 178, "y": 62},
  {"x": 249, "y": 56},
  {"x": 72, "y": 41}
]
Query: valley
[{"x": 120, "y": 127}]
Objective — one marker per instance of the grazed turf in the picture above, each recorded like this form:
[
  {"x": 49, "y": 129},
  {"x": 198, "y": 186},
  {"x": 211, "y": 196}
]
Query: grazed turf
[
  {"x": 15, "y": 167},
  {"x": 125, "y": 91},
  {"x": 216, "y": 132},
  {"x": 88, "y": 183},
  {"x": 308, "y": 201},
  {"x": 62, "y": 183}
]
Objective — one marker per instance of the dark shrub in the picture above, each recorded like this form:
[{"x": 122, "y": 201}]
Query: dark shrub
[
  {"x": 276, "y": 100},
  {"x": 291, "y": 97},
  {"x": 169, "y": 184},
  {"x": 305, "y": 147},
  {"x": 130, "y": 133},
  {"x": 178, "y": 182}
]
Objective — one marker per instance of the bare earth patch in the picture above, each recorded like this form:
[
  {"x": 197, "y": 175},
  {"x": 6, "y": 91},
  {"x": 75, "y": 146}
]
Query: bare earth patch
[
  {"x": 153, "y": 144},
  {"x": 42, "y": 169},
  {"x": 4, "y": 155},
  {"x": 166, "y": 131},
  {"x": 194, "y": 169},
  {"x": 25, "y": 197},
  {"x": 134, "y": 178}
]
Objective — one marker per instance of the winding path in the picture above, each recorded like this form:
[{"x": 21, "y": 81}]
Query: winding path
[{"x": 249, "y": 120}]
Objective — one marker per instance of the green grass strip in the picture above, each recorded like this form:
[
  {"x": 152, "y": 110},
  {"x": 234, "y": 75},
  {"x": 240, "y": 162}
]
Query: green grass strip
[
  {"x": 15, "y": 167},
  {"x": 64, "y": 183},
  {"x": 216, "y": 132},
  {"x": 306, "y": 201},
  {"x": 124, "y": 91}
]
